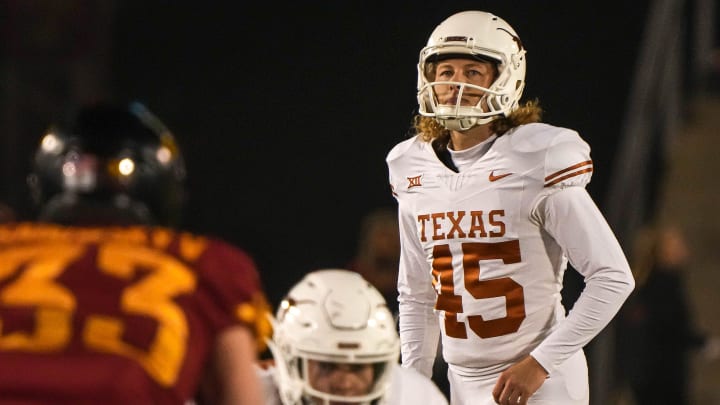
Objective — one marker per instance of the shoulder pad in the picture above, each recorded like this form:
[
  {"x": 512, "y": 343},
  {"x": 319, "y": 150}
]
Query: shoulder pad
[
  {"x": 402, "y": 147},
  {"x": 567, "y": 160}
]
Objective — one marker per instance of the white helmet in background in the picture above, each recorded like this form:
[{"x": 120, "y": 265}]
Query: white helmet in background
[
  {"x": 332, "y": 316},
  {"x": 476, "y": 35}
]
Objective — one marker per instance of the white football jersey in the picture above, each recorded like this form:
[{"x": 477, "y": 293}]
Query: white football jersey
[
  {"x": 481, "y": 249},
  {"x": 407, "y": 387}
]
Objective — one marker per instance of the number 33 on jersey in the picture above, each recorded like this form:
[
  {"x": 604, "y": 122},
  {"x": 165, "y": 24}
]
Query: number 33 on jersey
[{"x": 132, "y": 294}]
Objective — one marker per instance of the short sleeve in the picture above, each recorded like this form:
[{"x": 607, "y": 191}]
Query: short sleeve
[{"x": 232, "y": 292}]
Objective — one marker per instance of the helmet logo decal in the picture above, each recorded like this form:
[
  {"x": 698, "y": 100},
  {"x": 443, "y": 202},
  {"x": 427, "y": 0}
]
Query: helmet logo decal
[{"x": 514, "y": 37}]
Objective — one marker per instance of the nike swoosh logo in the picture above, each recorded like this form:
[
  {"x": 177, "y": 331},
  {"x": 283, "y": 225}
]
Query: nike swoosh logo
[{"x": 493, "y": 177}]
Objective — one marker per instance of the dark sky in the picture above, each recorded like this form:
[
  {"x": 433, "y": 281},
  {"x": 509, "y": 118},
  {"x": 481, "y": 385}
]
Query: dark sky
[{"x": 285, "y": 113}]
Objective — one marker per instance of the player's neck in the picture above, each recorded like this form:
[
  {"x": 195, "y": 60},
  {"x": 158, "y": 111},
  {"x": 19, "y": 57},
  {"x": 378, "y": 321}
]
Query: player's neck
[{"x": 467, "y": 139}]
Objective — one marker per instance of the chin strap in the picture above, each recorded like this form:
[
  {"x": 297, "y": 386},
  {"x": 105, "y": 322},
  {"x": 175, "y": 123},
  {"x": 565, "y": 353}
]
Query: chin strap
[{"x": 464, "y": 123}]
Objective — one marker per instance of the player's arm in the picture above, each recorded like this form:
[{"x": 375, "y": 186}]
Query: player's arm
[
  {"x": 419, "y": 329},
  {"x": 573, "y": 219},
  {"x": 237, "y": 313},
  {"x": 568, "y": 213},
  {"x": 234, "y": 359}
]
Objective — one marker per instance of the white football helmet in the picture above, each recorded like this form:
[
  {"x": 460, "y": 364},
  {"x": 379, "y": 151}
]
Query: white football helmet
[
  {"x": 332, "y": 316},
  {"x": 479, "y": 35}
]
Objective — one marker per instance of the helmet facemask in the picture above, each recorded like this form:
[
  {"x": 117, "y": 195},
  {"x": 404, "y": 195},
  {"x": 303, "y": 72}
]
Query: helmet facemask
[{"x": 375, "y": 374}]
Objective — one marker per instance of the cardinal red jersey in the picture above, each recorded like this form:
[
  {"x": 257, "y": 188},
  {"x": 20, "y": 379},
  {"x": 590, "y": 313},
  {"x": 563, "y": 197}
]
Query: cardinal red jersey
[{"x": 116, "y": 315}]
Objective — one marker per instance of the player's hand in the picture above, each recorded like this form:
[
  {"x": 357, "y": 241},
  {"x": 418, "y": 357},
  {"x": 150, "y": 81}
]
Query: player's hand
[{"x": 519, "y": 382}]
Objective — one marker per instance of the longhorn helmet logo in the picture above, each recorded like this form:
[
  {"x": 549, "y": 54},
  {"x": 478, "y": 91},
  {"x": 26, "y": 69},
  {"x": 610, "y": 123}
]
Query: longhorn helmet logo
[{"x": 514, "y": 38}]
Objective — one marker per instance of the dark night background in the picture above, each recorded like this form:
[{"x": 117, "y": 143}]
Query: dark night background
[{"x": 285, "y": 112}]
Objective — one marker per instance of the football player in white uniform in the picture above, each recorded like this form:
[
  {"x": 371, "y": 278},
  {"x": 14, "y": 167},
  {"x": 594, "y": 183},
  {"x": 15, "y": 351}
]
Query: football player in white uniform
[
  {"x": 492, "y": 205},
  {"x": 335, "y": 342}
]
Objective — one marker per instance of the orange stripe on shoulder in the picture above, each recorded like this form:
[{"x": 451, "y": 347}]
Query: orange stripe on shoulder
[
  {"x": 567, "y": 176},
  {"x": 567, "y": 169}
]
